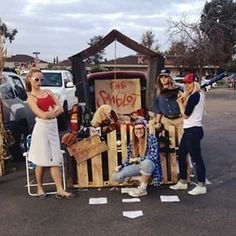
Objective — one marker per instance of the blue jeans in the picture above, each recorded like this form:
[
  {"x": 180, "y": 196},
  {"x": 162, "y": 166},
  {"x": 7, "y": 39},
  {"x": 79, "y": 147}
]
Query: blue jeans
[
  {"x": 191, "y": 143},
  {"x": 146, "y": 167}
]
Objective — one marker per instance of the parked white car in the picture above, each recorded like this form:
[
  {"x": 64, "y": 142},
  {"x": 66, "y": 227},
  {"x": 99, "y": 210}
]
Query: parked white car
[
  {"x": 208, "y": 87},
  {"x": 179, "y": 82},
  {"x": 61, "y": 83},
  {"x": 178, "y": 79}
]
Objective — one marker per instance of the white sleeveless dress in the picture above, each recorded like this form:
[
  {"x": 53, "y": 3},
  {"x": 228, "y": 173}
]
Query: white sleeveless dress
[{"x": 45, "y": 144}]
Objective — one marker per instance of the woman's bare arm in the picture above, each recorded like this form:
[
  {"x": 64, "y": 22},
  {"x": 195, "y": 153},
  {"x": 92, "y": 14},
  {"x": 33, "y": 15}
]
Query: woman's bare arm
[{"x": 58, "y": 108}]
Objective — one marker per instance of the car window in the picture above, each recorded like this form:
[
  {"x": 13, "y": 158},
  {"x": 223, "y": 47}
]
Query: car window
[
  {"x": 70, "y": 76},
  {"x": 19, "y": 88},
  {"x": 6, "y": 91},
  {"x": 52, "y": 79},
  {"x": 178, "y": 79},
  {"x": 65, "y": 75}
]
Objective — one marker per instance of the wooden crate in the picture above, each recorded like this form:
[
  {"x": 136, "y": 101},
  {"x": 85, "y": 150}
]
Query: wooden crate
[
  {"x": 168, "y": 158},
  {"x": 98, "y": 173}
]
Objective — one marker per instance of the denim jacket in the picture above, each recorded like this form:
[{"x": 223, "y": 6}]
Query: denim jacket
[{"x": 166, "y": 104}]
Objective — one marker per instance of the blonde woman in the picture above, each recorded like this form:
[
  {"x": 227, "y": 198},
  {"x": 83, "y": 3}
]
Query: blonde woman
[
  {"x": 165, "y": 105},
  {"x": 191, "y": 105},
  {"x": 45, "y": 144},
  {"x": 143, "y": 159}
]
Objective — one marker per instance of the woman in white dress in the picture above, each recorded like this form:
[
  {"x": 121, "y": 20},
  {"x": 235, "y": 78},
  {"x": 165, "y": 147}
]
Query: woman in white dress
[{"x": 45, "y": 144}]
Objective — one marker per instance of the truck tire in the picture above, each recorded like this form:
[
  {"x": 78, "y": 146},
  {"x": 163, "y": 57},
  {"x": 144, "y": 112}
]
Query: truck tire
[
  {"x": 19, "y": 147},
  {"x": 63, "y": 119}
]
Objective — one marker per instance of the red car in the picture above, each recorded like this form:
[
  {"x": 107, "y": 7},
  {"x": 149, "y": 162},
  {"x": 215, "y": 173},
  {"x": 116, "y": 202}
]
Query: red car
[{"x": 231, "y": 81}]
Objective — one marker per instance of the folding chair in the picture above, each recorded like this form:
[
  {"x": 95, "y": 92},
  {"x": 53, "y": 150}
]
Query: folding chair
[{"x": 30, "y": 167}]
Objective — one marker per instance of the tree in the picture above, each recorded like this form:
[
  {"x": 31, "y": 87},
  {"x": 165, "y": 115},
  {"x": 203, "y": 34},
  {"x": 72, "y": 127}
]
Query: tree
[
  {"x": 218, "y": 22},
  {"x": 231, "y": 66},
  {"x": 6, "y": 33},
  {"x": 211, "y": 40},
  {"x": 3, "y": 54},
  {"x": 195, "y": 41},
  {"x": 178, "y": 52},
  {"x": 148, "y": 40},
  {"x": 177, "y": 48},
  {"x": 98, "y": 57}
]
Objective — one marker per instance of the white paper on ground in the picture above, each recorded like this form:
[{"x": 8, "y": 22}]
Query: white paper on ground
[
  {"x": 126, "y": 190},
  {"x": 132, "y": 214},
  {"x": 131, "y": 199},
  {"x": 100, "y": 200},
  {"x": 172, "y": 198}
]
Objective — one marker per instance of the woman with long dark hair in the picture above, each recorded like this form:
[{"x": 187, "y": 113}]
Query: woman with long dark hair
[{"x": 143, "y": 159}]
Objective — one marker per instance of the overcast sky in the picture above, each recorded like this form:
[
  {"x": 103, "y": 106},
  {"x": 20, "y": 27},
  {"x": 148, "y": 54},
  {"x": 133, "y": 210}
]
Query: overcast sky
[{"x": 64, "y": 27}]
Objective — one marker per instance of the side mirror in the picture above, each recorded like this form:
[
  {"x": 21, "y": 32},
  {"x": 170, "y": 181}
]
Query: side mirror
[{"x": 69, "y": 85}]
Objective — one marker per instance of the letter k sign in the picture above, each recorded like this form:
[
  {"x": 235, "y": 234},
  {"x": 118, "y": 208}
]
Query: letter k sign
[{"x": 140, "y": 60}]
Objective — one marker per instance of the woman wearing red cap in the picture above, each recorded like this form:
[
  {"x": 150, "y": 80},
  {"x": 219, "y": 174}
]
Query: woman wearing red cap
[
  {"x": 191, "y": 105},
  {"x": 143, "y": 159}
]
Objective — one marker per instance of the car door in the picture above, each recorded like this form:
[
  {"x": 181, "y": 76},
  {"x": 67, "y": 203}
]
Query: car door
[
  {"x": 8, "y": 98},
  {"x": 21, "y": 100},
  {"x": 69, "y": 89}
]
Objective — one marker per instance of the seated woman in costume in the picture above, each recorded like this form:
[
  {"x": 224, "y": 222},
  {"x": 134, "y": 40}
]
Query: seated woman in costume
[{"x": 143, "y": 159}]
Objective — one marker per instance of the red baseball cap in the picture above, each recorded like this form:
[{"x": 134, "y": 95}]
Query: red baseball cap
[{"x": 189, "y": 78}]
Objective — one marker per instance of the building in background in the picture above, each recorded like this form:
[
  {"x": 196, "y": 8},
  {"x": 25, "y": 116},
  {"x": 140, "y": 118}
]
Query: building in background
[{"x": 24, "y": 62}]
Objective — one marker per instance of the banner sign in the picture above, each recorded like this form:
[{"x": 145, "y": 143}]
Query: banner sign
[{"x": 124, "y": 95}]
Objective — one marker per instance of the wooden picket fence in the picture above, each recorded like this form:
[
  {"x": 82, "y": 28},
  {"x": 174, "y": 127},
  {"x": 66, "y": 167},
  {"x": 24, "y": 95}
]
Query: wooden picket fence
[
  {"x": 2, "y": 167},
  {"x": 97, "y": 172}
]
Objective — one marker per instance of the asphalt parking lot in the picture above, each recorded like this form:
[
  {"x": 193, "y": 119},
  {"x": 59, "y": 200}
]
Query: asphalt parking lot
[{"x": 210, "y": 214}]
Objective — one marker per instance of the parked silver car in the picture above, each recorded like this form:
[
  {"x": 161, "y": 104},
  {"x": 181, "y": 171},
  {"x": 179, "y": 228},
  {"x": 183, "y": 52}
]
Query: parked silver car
[{"x": 17, "y": 116}]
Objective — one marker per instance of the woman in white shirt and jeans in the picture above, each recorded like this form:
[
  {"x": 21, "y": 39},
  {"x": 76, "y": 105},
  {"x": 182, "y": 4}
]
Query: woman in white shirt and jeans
[{"x": 191, "y": 105}]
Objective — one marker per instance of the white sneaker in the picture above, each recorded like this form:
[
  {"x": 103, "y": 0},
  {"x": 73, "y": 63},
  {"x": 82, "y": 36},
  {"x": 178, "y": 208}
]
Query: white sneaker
[
  {"x": 179, "y": 186},
  {"x": 198, "y": 190},
  {"x": 138, "y": 192}
]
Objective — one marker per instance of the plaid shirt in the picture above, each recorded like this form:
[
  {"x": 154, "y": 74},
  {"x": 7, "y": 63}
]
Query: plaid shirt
[{"x": 152, "y": 153}]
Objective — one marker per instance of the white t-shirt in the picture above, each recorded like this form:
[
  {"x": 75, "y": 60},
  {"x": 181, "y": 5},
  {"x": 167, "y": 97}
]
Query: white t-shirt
[{"x": 194, "y": 110}]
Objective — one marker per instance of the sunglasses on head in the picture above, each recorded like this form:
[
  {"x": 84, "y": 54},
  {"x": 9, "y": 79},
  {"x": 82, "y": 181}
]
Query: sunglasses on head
[{"x": 37, "y": 79}]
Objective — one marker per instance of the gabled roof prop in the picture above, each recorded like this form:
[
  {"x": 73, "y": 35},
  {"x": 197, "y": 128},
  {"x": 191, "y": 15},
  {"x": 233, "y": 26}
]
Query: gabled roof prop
[
  {"x": 156, "y": 63},
  {"x": 121, "y": 38}
]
